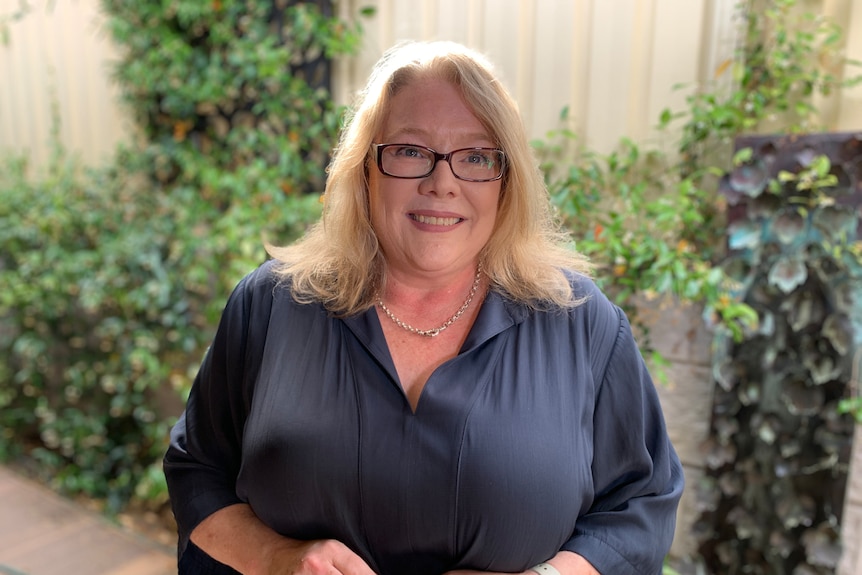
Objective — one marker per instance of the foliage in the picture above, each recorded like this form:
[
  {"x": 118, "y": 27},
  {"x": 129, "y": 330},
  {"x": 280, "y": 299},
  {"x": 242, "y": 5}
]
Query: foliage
[
  {"x": 785, "y": 311},
  {"x": 651, "y": 221},
  {"x": 787, "y": 58},
  {"x": 117, "y": 276},
  {"x": 88, "y": 324},
  {"x": 631, "y": 219},
  {"x": 109, "y": 294},
  {"x": 232, "y": 86},
  {"x": 797, "y": 255}
]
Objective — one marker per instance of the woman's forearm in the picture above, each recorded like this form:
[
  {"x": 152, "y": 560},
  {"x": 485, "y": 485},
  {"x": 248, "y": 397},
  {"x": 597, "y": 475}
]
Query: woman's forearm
[{"x": 235, "y": 536}]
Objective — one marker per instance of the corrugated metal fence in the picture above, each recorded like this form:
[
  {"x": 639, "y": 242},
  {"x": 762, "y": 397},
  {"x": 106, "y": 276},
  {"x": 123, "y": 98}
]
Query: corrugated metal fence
[
  {"x": 57, "y": 59},
  {"x": 613, "y": 63}
]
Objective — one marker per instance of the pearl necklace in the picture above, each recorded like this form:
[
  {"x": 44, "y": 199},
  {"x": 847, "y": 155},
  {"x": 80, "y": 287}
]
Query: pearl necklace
[{"x": 436, "y": 331}]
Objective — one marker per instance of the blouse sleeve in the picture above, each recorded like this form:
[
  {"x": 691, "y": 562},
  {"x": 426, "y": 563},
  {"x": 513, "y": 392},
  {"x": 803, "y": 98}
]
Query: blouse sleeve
[
  {"x": 637, "y": 476},
  {"x": 203, "y": 459}
]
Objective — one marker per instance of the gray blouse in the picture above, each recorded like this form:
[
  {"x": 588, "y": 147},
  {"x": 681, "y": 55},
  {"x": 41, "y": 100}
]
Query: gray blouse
[{"x": 544, "y": 433}]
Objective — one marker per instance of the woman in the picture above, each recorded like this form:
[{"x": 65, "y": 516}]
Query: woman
[{"x": 427, "y": 382}]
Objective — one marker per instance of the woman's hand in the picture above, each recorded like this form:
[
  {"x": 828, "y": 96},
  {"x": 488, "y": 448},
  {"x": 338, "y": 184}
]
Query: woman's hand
[
  {"x": 236, "y": 537},
  {"x": 322, "y": 557}
]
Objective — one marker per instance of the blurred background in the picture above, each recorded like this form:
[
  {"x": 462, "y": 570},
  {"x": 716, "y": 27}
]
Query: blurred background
[
  {"x": 615, "y": 64},
  {"x": 149, "y": 149}
]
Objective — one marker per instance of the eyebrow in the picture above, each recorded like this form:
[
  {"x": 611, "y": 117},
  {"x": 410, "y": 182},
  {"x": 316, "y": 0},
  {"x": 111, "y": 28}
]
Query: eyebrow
[{"x": 420, "y": 132}]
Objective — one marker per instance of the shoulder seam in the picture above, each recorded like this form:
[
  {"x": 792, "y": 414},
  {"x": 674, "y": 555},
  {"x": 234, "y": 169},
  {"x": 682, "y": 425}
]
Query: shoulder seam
[{"x": 619, "y": 333}]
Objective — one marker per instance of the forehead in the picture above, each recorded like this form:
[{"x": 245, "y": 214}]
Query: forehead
[{"x": 432, "y": 107}]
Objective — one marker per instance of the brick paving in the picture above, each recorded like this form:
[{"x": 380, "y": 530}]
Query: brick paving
[{"x": 42, "y": 533}]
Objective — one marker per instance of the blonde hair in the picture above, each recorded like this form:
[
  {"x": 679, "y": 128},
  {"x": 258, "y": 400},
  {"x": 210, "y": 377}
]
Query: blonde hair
[{"x": 339, "y": 261}]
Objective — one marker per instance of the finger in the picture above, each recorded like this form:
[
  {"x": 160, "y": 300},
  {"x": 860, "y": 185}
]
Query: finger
[{"x": 349, "y": 563}]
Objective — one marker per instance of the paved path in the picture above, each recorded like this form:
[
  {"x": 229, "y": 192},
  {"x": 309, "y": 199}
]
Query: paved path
[{"x": 44, "y": 534}]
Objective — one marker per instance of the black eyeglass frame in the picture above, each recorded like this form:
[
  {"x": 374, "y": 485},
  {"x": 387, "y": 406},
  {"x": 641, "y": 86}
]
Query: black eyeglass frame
[{"x": 378, "y": 158}]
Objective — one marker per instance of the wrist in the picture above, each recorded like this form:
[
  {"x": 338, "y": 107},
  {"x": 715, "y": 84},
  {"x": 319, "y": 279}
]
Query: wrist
[
  {"x": 277, "y": 553},
  {"x": 545, "y": 569},
  {"x": 564, "y": 563}
]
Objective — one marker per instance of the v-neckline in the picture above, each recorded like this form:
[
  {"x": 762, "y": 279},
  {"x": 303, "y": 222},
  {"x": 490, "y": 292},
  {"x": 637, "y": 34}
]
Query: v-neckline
[{"x": 495, "y": 316}]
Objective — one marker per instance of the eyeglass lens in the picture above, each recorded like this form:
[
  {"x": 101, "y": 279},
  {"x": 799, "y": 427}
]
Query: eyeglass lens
[{"x": 403, "y": 161}]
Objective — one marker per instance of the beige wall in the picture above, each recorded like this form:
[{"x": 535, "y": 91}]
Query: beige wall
[
  {"x": 58, "y": 54},
  {"x": 612, "y": 62}
]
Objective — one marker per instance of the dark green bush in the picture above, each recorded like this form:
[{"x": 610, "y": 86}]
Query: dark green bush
[
  {"x": 89, "y": 323},
  {"x": 236, "y": 86},
  {"x": 113, "y": 278},
  {"x": 110, "y": 292},
  {"x": 778, "y": 451}
]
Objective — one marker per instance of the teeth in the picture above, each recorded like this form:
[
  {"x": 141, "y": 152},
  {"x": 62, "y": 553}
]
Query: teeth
[{"x": 436, "y": 221}]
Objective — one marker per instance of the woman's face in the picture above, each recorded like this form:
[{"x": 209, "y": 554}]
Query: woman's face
[{"x": 437, "y": 224}]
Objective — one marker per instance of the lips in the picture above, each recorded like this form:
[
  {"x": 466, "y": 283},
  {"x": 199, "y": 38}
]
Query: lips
[{"x": 435, "y": 221}]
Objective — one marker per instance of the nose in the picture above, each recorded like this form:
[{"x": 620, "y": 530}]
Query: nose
[{"x": 441, "y": 181}]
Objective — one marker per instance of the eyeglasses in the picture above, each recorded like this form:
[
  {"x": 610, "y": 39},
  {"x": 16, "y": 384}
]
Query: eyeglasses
[{"x": 468, "y": 164}]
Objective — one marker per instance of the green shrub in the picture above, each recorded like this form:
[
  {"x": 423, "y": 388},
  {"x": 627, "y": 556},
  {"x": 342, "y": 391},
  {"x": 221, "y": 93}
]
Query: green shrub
[
  {"x": 115, "y": 277},
  {"x": 778, "y": 450},
  {"x": 232, "y": 86},
  {"x": 652, "y": 221},
  {"x": 110, "y": 292}
]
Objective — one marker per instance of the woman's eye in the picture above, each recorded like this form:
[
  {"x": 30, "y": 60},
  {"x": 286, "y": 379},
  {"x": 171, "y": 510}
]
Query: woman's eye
[
  {"x": 478, "y": 158},
  {"x": 409, "y": 152}
]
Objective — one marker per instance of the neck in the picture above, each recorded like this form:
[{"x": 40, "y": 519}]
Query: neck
[
  {"x": 430, "y": 309},
  {"x": 427, "y": 288}
]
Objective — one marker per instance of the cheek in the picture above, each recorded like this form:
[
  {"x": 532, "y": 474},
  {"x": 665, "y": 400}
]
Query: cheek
[
  {"x": 491, "y": 207},
  {"x": 383, "y": 210}
]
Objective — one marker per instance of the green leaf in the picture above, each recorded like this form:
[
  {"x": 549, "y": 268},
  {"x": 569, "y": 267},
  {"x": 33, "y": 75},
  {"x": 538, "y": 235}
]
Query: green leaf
[
  {"x": 743, "y": 156},
  {"x": 788, "y": 273}
]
